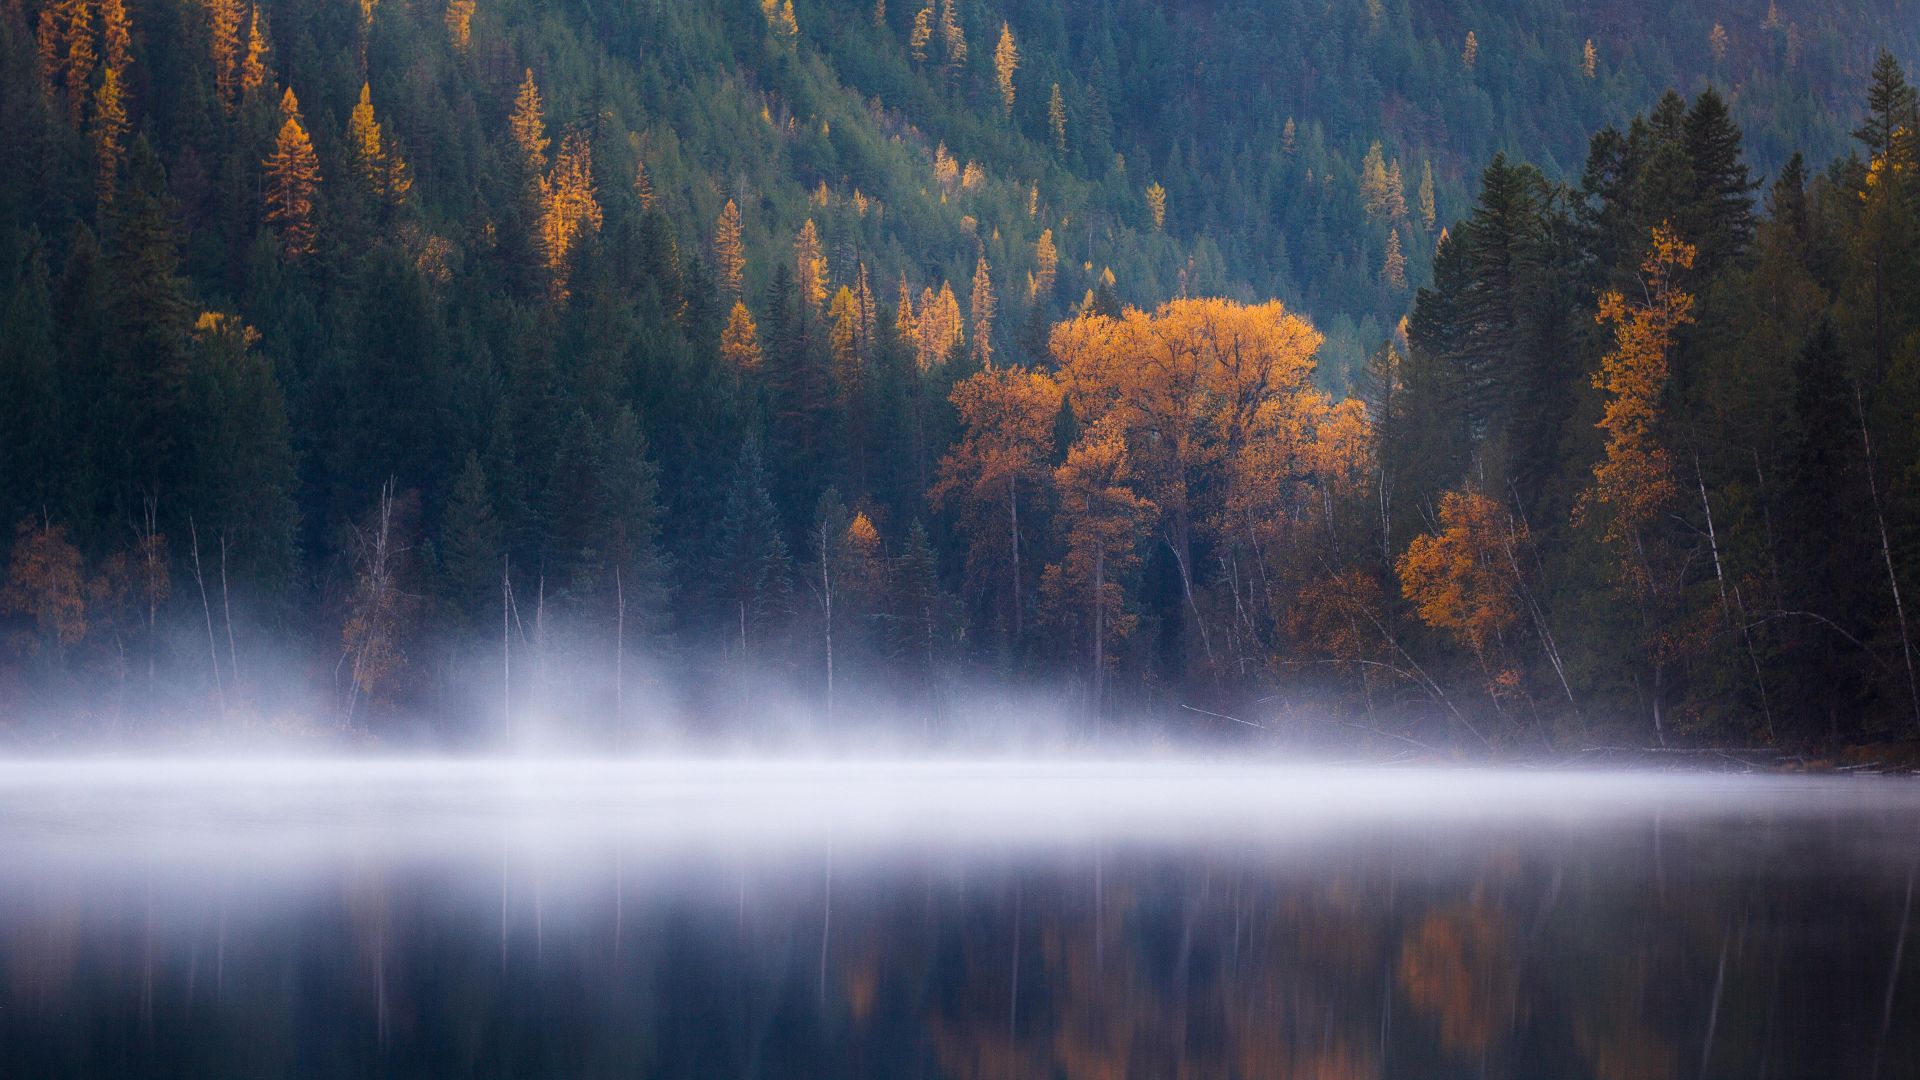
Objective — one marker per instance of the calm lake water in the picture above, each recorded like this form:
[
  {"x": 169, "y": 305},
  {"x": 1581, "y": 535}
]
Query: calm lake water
[{"x": 432, "y": 919}]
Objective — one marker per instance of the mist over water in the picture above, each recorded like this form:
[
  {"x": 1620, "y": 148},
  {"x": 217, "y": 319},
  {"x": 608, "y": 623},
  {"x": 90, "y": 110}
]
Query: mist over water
[{"x": 816, "y": 917}]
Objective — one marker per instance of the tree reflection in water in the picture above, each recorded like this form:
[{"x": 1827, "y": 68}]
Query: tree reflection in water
[{"x": 1726, "y": 947}]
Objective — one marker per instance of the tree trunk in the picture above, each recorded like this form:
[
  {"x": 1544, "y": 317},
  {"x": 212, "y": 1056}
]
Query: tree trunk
[
  {"x": 1099, "y": 625},
  {"x": 213, "y": 652},
  {"x": 1013, "y": 506},
  {"x": 1886, "y": 556}
]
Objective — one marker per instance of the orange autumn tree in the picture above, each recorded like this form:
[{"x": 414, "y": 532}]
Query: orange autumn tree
[
  {"x": 729, "y": 253},
  {"x": 740, "y": 340},
  {"x": 1103, "y": 522},
  {"x": 999, "y": 464},
  {"x": 1633, "y": 484},
  {"x": 1460, "y": 580},
  {"x": 569, "y": 211},
  {"x": 293, "y": 178},
  {"x": 377, "y": 165},
  {"x": 810, "y": 266},
  {"x": 1201, "y": 390},
  {"x": 45, "y": 583}
]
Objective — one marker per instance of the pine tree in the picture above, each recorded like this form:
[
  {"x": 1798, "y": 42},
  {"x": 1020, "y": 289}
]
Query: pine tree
[
  {"x": 1719, "y": 220},
  {"x": 472, "y": 543},
  {"x": 740, "y": 341},
  {"x": 146, "y": 394},
  {"x": 1892, "y": 104},
  {"x": 1393, "y": 269},
  {"x": 730, "y": 256},
  {"x": 1428, "y": 213},
  {"x": 1006, "y": 58},
  {"x": 1057, "y": 119},
  {"x": 750, "y": 567},
  {"x": 293, "y": 178},
  {"x": 982, "y": 302},
  {"x": 32, "y": 437},
  {"x": 78, "y": 52},
  {"x": 810, "y": 266}
]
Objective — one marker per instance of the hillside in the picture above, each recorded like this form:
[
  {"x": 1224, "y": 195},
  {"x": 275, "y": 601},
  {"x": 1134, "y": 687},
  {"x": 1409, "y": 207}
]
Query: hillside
[{"x": 369, "y": 323}]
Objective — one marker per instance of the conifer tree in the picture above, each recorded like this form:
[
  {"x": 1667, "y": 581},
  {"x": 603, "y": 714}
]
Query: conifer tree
[
  {"x": 471, "y": 544},
  {"x": 750, "y": 567},
  {"x": 459, "y": 20},
  {"x": 569, "y": 210},
  {"x": 953, "y": 40},
  {"x": 1428, "y": 212},
  {"x": 729, "y": 254},
  {"x": 377, "y": 166},
  {"x": 109, "y": 133},
  {"x": 1006, "y": 59},
  {"x": 1589, "y": 59},
  {"x": 1057, "y": 119},
  {"x": 982, "y": 302},
  {"x": 1046, "y": 262},
  {"x": 1892, "y": 104},
  {"x": 810, "y": 266},
  {"x": 1393, "y": 269},
  {"x": 922, "y": 33},
  {"x": 1470, "y": 52},
  {"x": 740, "y": 341},
  {"x": 223, "y": 48},
  {"x": 529, "y": 127},
  {"x": 253, "y": 70},
  {"x": 1157, "y": 204},
  {"x": 293, "y": 179}
]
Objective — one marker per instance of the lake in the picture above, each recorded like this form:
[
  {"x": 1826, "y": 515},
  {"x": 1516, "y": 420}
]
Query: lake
[{"x": 358, "y": 918}]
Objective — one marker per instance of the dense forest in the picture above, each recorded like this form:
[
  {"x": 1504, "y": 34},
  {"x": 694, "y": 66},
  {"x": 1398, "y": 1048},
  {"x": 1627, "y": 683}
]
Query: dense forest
[{"x": 475, "y": 366}]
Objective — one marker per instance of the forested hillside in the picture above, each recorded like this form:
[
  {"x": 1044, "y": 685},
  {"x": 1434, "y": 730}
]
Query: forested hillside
[{"x": 369, "y": 361}]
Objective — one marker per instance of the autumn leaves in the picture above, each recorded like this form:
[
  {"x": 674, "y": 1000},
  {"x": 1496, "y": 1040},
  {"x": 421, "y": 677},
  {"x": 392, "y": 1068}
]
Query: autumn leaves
[{"x": 1193, "y": 424}]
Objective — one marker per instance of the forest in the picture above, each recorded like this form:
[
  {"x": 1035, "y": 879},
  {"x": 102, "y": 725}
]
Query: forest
[{"x": 1491, "y": 377}]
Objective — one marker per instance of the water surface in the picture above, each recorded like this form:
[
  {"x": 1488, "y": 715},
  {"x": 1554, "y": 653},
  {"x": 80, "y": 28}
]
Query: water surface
[{"x": 584, "y": 919}]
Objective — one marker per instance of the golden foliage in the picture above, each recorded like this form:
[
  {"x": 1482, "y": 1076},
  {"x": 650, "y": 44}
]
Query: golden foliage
[
  {"x": 1634, "y": 480},
  {"x": 109, "y": 133},
  {"x": 293, "y": 177},
  {"x": 922, "y": 32},
  {"x": 529, "y": 126},
  {"x": 1104, "y": 523},
  {"x": 740, "y": 340},
  {"x": 1006, "y": 58},
  {"x": 1459, "y": 578},
  {"x": 729, "y": 254},
  {"x": 937, "y": 326},
  {"x": 253, "y": 70},
  {"x": 1046, "y": 264},
  {"x": 377, "y": 165},
  {"x": 223, "y": 47},
  {"x": 1157, "y": 204},
  {"x": 568, "y": 210},
  {"x": 810, "y": 266},
  {"x": 460, "y": 23}
]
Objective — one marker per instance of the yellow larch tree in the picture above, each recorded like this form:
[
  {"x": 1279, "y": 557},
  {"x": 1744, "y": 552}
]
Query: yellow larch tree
[
  {"x": 1589, "y": 59},
  {"x": 223, "y": 48},
  {"x": 642, "y": 184},
  {"x": 937, "y": 320},
  {"x": 922, "y": 32},
  {"x": 810, "y": 266},
  {"x": 740, "y": 340},
  {"x": 459, "y": 18},
  {"x": 905, "y": 326},
  {"x": 1470, "y": 52},
  {"x": 109, "y": 121},
  {"x": 529, "y": 127},
  {"x": 1046, "y": 264},
  {"x": 69, "y": 52},
  {"x": 569, "y": 210},
  {"x": 253, "y": 70},
  {"x": 982, "y": 304},
  {"x": 377, "y": 165},
  {"x": 729, "y": 254},
  {"x": 1157, "y": 204},
  {"x": 1006, "y": 59},
  {"x": 1393, "y": 267},
  {"x": 953, "y": 40},
  {"x": 292, "y": 180}
]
